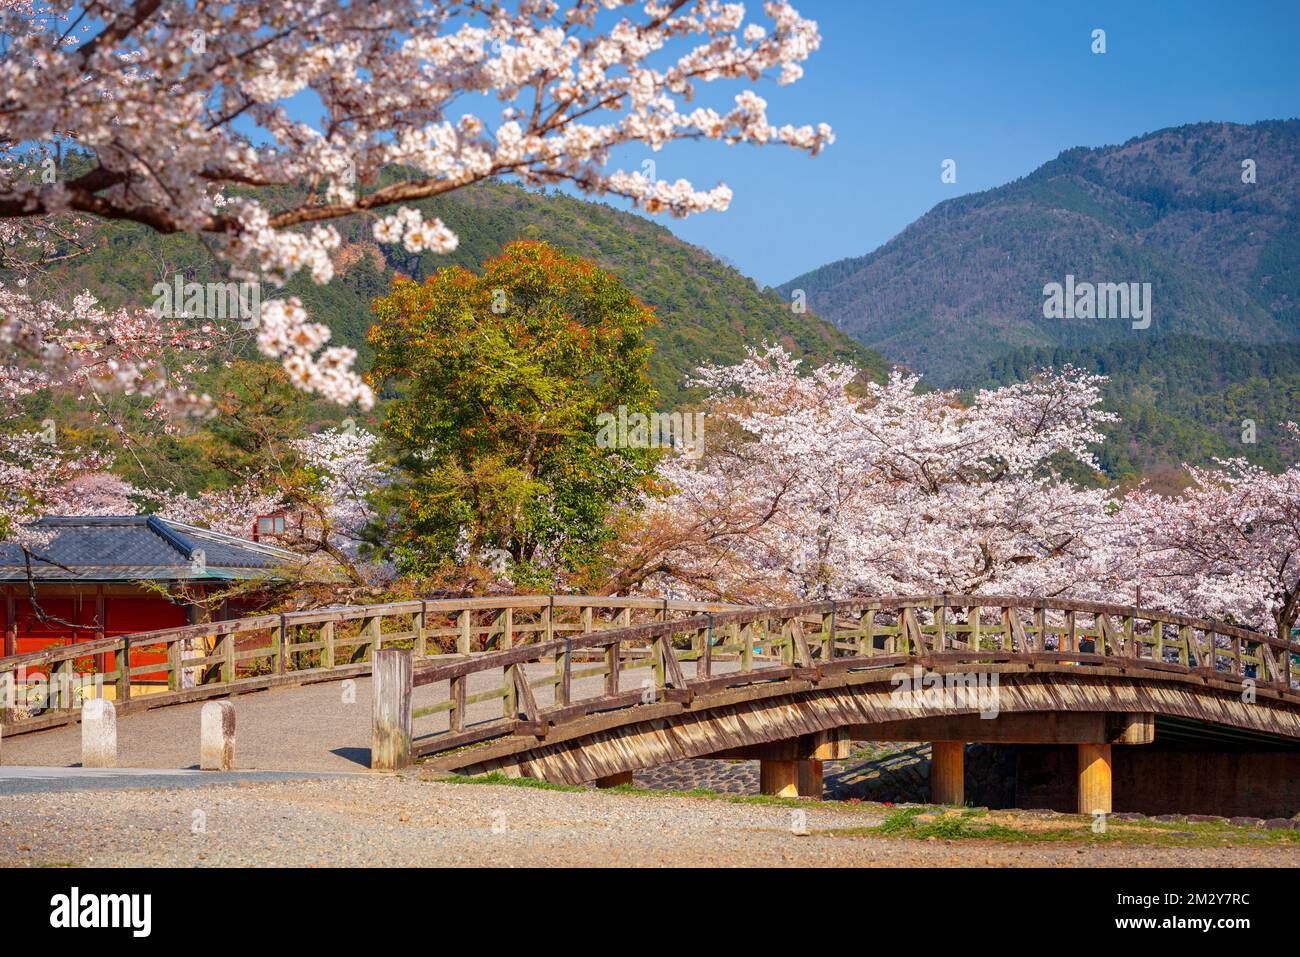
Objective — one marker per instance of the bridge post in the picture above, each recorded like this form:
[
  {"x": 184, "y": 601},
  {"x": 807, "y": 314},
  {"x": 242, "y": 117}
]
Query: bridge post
[
  {"x": 217, "y": 736},
  {"x": 1094, "y": 779},
  {"x": 98, "y": 734},
  {"x": 947, "y": 772},
  {"x": 390, "y": 736}
]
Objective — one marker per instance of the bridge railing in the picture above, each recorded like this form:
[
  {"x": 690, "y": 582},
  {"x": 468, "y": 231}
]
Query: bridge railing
[
  {"x": 554, "y": 681},
  {"x": 45, "y": 688}
]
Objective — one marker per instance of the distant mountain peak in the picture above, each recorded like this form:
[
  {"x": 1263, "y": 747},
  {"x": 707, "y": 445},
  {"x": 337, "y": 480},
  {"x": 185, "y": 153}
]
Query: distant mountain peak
[{"x": 1208, "y": 214}]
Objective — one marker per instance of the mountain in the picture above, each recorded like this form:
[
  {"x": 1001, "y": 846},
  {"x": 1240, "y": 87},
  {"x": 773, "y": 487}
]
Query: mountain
[
  {"x": 708, "y": 311},
  {"x": 964, "y": 284}
]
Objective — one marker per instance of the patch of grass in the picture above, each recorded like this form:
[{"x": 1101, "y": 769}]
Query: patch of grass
[
  {"x": 948, "y": 826},
  {"x": 920, "y": 824},
  {"x": 496, "y": 777}
]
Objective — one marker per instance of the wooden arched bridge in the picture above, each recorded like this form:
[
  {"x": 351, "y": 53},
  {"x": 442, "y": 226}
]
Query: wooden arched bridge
[{"x": 574, "y": 689}]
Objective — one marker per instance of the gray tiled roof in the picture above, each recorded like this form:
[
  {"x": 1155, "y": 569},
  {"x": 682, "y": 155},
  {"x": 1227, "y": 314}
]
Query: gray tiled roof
[{"x": 135, "y": 547}]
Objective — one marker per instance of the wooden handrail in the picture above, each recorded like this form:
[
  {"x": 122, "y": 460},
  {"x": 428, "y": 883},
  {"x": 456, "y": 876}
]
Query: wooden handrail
[
  {"x": 842, "y": 636},
  {"x": 221, "y": 669},
  {"x": 574, "y": 624}
]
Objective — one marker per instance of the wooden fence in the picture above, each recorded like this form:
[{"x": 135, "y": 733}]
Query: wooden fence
[{"x": 229, "y": 657}]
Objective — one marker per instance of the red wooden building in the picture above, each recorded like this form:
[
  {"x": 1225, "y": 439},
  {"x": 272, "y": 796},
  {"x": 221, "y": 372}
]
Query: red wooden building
[{"x": 89, "y": 579}]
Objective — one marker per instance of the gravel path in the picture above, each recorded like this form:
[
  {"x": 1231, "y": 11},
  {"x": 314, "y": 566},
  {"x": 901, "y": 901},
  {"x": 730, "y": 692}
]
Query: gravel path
[{"x": 399, "y": 820}]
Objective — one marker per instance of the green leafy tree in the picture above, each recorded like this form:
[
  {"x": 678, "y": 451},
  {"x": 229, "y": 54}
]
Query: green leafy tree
[{"x": 496, "y": 382}]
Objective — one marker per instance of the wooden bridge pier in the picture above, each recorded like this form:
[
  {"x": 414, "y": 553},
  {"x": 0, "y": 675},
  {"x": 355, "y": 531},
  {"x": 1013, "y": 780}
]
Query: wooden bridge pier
[
  {"x": 1091, "y": 733},
  {"x": 948, "y": 772},
  {"x": 1094, "y": 779},
  {"x": 793, "y": 767}
]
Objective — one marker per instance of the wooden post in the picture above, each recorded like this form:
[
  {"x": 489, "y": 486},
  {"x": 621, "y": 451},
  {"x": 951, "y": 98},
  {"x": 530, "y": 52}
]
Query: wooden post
[
  {"x": 61, "y": 678},
  {"x": 98, "y": 734},
  {"x": 1094, "y": 779},
  {"x": 228, "y": 667},
  {"x": 327, "y": 640},
  {"x": 809, "y": 774},
  {"x": 421, "y": 628},
  {"x": 11, "y": 622},
  {"x": 457, "y": 689},
  {"x": 612, "y": 669},
  {"x": 511, "y": 699},
  {"x": 124, "y": 670},
  {"x": 947, "y": 772},
  {"x": 564, "y": 669},
  {"x": 174, "y": 674},
  {"x": 8, "y": 695},
  {"x": 277, "y": 646},
  {"x": 463, "y": 624},
  {"x": 217, "y": 736},
  {"x": 778, "y": 778},
  {"x": 390, "y": 736},
  {"x": 787, "y": 642},
  {"x": 614, "y": 780}
]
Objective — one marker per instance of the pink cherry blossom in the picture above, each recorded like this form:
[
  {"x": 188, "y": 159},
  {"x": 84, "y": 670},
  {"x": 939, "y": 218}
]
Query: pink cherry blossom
[{"x": 184, "y": 109}]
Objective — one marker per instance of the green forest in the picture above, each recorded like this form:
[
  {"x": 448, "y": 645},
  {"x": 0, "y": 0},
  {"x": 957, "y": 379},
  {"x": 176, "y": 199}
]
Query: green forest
[{"x": 1180, "y": 399}]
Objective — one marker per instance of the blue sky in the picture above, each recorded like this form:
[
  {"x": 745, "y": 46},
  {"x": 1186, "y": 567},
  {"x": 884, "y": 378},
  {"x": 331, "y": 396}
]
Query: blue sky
[{"x": 999, "y": 87}]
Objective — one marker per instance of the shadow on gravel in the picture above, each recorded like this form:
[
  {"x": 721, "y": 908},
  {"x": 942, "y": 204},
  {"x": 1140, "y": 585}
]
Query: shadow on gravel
[{"x": 359, "y": 756}]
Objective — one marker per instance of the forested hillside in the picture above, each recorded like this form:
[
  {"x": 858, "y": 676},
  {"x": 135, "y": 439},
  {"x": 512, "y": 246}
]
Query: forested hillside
[
  {"x": 708, "y": 312},
  {"x": 1180, "y": 399}
]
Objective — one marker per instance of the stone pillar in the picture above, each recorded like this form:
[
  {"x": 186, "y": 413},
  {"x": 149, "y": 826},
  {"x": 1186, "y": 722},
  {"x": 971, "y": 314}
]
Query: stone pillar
[
  {"x": 98, "y": 734},
  {"x": 614, "y": 780},
  {"x": 1094, "y": 778},
  {"x": 778, "y": 778},
  {"x": 217, "y": 737},
  {"x": 810, "y": 779},
  {"x": 947, "y": 772},
  {"x": 390, "y": 737}
]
